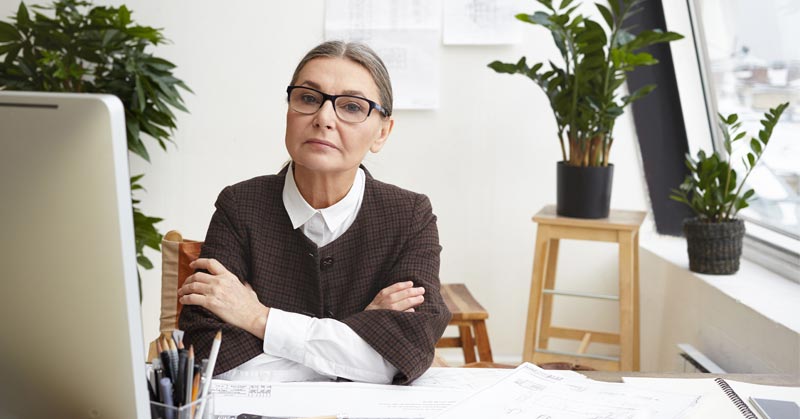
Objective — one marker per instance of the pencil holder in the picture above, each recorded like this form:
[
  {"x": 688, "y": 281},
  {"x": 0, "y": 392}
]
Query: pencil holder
[{"x": 200, "y": 409}]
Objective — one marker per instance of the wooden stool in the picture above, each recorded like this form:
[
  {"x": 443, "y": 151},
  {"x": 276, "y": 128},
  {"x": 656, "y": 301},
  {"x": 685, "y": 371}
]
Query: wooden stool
[
  {"x": 469, "y": 316},
  {"x": 620, "y": 227}
]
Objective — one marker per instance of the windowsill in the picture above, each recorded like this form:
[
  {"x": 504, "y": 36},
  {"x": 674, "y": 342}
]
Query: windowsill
[{"x": 770, "y": 294}]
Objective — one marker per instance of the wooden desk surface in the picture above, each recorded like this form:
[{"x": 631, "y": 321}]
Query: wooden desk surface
[{"x": 768, "y": 379}]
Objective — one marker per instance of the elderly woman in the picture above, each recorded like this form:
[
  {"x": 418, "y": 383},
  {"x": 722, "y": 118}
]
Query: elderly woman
[{"x": 319, "y": 272}]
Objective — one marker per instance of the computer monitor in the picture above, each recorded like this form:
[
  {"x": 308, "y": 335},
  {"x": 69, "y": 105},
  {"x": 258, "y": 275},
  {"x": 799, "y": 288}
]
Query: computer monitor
[{"x": 70, "y": 326}]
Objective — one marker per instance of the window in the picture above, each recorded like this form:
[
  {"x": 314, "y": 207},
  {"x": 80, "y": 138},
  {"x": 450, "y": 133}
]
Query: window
[{"x": 750, "y": 62}]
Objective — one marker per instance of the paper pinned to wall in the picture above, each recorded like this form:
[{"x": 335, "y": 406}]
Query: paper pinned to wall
[
  {"x": 481, "y": 22},
  {"x": 405, "y": 34}
]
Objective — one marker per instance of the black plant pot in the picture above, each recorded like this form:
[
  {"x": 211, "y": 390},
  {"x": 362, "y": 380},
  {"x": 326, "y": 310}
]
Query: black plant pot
[
  {"x": 714, "y": 248},
  {"x": 583, "y": 192}
]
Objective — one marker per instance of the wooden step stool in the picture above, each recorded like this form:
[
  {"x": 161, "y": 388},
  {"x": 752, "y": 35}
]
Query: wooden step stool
[
  {"x": 470, "y": 317},
  {"x": 620, "y": 227}
]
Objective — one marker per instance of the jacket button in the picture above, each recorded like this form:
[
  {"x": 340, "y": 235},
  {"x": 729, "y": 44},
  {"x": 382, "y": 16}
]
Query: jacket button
[{"x": 326, "y": 263}]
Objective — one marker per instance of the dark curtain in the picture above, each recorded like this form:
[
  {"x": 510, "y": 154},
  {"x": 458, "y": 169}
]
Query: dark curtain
[{"x": 659, "y": 124}]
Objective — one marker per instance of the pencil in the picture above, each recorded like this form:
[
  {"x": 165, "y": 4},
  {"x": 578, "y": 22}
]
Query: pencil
[
  {"x": 189, "y": 376},
  {"x": 195, "y": 386},
  {"x": 173, "y": 357},
  {"x": 209, "y": 372}
]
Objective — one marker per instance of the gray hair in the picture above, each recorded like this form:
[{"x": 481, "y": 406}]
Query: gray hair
[{"x": 359, "y": 53}]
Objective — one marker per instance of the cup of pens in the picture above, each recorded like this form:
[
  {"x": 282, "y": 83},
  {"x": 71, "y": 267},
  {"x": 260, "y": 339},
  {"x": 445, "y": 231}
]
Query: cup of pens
[
  {"x": 187, "y": 411},
  {"x": 178, "y": 384}
]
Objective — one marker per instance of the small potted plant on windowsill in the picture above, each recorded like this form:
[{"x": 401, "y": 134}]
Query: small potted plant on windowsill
[
  {"x": 583, "y": 93},
  {"x": 715, "y": 192}
]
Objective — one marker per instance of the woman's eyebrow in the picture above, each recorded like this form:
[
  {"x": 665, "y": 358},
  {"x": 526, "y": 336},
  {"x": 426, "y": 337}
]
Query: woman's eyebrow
[
  {"x": 314, "y": 85},
  {"x": 354, "y": 93},
  {"x": 311, "y": 84}
]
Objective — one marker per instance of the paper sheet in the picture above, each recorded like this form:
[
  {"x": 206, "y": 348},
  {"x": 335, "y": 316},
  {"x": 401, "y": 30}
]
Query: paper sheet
[
  {"x": 474, "y": 378},
  {"x": 405, "y": 34},
  {"x": 530, "y": 392},
  {"x": 481, "y": 22},
  {"x": 317, "y": 399},
  {"x": 714, "y": 403}
]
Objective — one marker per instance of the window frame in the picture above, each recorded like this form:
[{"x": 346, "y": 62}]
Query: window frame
[{"x": 764, "y": 245}]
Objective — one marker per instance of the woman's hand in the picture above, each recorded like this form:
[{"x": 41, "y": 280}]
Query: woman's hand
[
  {"x": 220, "y": 292},
  {"x": 401, "y": 296}
]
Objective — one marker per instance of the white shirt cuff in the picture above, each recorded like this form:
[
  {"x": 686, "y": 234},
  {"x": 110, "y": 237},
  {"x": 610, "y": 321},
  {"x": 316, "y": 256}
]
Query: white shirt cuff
[{"x": 327, "y": 346}]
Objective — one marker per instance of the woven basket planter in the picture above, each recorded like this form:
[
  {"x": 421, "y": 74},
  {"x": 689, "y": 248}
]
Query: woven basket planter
[{"x": 714, "y": 248}]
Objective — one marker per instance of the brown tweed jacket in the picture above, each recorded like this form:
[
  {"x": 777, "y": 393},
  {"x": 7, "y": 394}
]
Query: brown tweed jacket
[{"x": 394, "y": 238}]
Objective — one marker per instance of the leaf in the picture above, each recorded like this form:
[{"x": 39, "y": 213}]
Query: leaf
[
  {"x": 614, "y": 6},
  {"x": 23, "y": 18},
  {"x": 502, "y": 67},
  {"x": 144, "y": 262},
  {"x": 606, "y": 14},
  {"x": 8, "y": 33},
  {"x": 755, "y": 146},
  {"x": 639, "y": 93}
]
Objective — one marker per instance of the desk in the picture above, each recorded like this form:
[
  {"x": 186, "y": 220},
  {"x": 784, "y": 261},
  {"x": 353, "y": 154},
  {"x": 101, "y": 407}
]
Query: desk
[
  {"x": 766, "y": 379},
  {"x": 443, "y": 387}
]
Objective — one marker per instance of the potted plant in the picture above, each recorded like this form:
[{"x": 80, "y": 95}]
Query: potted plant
[
  {"x": 715, "y": 192},
  {"x": 583, "y": 93},
  {"x": 97, "y": 50}
]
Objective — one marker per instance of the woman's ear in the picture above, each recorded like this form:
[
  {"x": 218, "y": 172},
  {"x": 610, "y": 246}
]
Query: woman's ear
[{"x": 383, "y": 135}]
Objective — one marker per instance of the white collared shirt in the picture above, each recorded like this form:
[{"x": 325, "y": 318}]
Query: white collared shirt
[
  {"x": 324, "y": 225},
  {"x": 303, "y": 348}
]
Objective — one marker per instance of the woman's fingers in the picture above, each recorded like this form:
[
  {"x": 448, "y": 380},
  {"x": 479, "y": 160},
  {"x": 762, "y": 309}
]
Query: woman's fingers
[
  {"x": 407, "y": 303},
  {"x": 199, "y": 277},
  {"x": 408, "y": 293},
  {"x": 194, "y": 299},
  {"x": 394, "y": 288},
  {"x": 195, "y": 288},
  {"x": 213, "y": 266},
  {"x": 400, "y": 296}
]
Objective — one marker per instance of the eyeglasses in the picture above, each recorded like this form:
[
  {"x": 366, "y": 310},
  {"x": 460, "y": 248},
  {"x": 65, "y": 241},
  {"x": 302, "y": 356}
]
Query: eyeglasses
[{"x": 348, "y": 108}]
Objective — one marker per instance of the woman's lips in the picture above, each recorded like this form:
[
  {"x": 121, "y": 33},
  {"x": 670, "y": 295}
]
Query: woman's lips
[{"x": 321, "y": 143}]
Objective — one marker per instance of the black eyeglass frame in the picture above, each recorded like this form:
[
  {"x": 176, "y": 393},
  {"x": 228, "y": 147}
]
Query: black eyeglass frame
[{"x": 332, "y": 98}]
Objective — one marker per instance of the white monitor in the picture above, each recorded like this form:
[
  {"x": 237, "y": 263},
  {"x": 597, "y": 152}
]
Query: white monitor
[{"x": 70, "y": 324}]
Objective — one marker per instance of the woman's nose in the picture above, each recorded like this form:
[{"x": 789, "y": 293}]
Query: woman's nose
[{"x": 326, "y": 115}]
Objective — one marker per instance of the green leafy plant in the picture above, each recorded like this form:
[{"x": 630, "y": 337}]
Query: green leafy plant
[
  {"x": 713, "y": 189},
  {"x": 97, "y": 50},
  {"x": 596, "y": 60}
]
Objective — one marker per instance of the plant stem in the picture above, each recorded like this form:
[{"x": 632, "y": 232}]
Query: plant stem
[
  {"x": 727, "y": 215},
  {"x": 609, "y": 68}
]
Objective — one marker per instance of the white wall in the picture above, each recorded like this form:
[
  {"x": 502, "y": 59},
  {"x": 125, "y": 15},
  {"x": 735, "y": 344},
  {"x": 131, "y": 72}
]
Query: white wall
[
  {"x": 486, "y": 157},
  {"x": 721, "y": 316}
]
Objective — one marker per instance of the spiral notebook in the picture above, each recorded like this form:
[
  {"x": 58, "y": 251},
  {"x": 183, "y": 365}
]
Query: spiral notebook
[
  {"x": 735, "y": 399},
  {"x": 720, "y": 398}
]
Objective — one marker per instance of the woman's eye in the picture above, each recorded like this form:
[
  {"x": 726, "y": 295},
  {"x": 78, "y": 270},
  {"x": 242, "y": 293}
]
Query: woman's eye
[
  {"x": 352, "y": 107},
  {"x": 309, "y": 98}
]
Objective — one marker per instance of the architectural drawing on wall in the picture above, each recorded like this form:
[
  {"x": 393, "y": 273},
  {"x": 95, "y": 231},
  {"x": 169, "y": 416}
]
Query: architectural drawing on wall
[
  {"x": 404, "y": 33},
  {"x": 481, "y": 22}
]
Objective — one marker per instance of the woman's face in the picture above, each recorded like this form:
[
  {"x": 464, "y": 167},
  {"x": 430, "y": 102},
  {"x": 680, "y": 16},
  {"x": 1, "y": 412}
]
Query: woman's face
[{"x": 323, "y": 143}]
